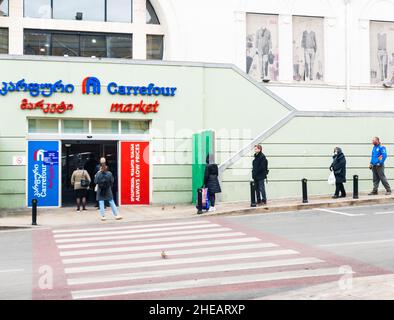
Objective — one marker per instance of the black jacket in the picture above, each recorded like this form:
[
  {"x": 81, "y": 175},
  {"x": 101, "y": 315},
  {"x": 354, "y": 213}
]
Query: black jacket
[
  {"x": 338, "y": 166},
  {"x": 211, "y": 180},
  {"x": 260, "y": 166}
]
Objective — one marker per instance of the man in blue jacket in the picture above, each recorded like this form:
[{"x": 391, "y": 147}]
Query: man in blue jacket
[{"x": 379, "y": 155}]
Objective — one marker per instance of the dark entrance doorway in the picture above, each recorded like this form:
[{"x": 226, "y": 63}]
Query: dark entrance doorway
[{"x": 87, "y": 153}]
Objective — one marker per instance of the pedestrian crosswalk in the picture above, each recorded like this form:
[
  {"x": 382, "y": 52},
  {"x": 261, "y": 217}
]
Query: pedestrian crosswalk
[{"x": 127, "y": 261}]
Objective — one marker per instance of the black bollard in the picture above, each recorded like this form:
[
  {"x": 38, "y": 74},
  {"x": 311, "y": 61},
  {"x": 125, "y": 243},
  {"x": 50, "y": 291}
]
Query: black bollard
[
  {"x": 199, "y": 201},
  {"x": 355, "y": 186},
  {"x": 34, "y": 212},
  {"x": 304, "y": 191},
  {"x": 252, "y": 194}
]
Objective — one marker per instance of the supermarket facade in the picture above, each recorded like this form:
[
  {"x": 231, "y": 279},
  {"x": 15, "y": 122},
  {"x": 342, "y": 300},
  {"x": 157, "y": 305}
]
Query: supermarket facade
[{"x": 67, "y": 104}]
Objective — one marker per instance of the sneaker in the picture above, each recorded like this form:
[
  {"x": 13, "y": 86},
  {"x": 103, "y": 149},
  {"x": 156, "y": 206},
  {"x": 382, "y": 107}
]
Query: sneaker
[
  {"x": 212, "y": 209},
  {"x": 388, "y": 193},
  {"x": 103, "y": 218},
  {"x": 373, "y": 193},
  {"x": 335, "y": 196},
  {"x": 343, "y": 195},
  {"x": 118, "y": 217},
  {"x": 78, "y": 210}
]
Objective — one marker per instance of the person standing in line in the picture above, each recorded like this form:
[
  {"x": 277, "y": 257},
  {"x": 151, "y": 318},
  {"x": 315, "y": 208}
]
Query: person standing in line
[
  {"x": 211, "y": 181},
  {"x": 80, "y": 179},
  {"x": 338, "y": 166},
  {"x": 102, "y": 162},
  {"x": 378, "y": 157},
  {"x": 259, "y": 174},
  {"x": 105, "y": 180}
]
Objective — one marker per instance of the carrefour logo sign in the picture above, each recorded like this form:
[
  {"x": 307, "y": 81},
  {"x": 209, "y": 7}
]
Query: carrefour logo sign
[{"x": 92, "y": 85}]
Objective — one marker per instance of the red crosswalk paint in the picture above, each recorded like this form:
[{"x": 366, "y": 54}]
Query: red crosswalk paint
[{"x": 124, "y": 262}]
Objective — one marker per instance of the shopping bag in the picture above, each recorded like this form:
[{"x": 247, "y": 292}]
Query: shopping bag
[
  {"x": 205, "y": 199},
  {"x": 331, "y": 178}
]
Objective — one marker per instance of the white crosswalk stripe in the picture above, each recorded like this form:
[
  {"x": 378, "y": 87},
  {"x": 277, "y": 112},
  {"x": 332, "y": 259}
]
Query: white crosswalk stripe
[
  {"x": 208, "y": 282},
  {"x": 198, "y": 255}
]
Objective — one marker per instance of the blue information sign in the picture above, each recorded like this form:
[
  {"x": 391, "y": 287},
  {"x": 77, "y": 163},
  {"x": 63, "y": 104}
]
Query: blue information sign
[{"x": 43, "y": 173}]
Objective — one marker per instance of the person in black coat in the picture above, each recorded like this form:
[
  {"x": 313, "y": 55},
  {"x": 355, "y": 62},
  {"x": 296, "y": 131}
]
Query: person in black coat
[
  {"x": 211, "y": 181},
  {"x": 259, "y": 174},
  {"x": 338, "y": 166}
]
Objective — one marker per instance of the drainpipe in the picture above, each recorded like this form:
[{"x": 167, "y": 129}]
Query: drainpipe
[{"x": 348, "y": 52}]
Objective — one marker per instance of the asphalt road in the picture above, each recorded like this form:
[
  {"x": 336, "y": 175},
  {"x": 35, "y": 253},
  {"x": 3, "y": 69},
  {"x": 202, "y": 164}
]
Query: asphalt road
[{"x": 237, "y": 257}]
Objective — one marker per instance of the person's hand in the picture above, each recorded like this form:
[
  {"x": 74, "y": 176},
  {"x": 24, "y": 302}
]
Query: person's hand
[{"x": 370, "y": 166}]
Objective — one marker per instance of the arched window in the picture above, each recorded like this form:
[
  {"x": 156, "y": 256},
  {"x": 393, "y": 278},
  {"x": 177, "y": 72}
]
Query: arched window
[{"x": 151, "y": 16}]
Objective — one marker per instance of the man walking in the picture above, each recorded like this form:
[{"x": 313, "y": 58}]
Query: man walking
[
  {"x": 259, "y": 174},
  {"x": 379, "y": 155}
]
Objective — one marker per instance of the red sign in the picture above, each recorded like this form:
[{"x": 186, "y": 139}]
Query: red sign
[
  {"x": 134, "y": 172},
  {"x": 46, "y": 107},
  {"x": 141, "y": 107}
]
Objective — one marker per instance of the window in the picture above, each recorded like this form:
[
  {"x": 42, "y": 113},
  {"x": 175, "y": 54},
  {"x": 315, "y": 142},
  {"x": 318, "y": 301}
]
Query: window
[
  {"x": 38, "y": 9},
  {"x": 3, "y": 8},
  {"x": 105, "y": 126},
  {"x": 134, "y": 127},
  {"x": 3, "y": 40},
  {"x": 154, "y": 47},
  {"x": 72, "y": 44},
  {"x": 43, "y": 126},
  {"x": 75, "y": 126},
  {"x": 151, "y": 16},
  {"x": 90, "y": 9},
  {"x": 120, "y": 46},
  {"x": 119, "y": 10},
  {"x": 93, "y": 46},
  {"x": 65, "y": 45},
  {"x": 37, "y": 43}
]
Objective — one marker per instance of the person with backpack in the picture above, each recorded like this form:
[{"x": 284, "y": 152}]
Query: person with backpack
[
  {"x": 211, "y": 181},
  {"x": 80, "y": 180},
  {"x": 104, "y": 181},
  {"x": 259, "y": 174},
  {"x": 338, "y": 167}
]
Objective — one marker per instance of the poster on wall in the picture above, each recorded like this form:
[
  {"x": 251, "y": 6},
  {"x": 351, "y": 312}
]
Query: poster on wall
[
  {"x": 308, "y": 49},
  {"x": 262, "y": 58},
  {"x": 382, "y": 51},
  {"x": 134, "y": 173},
  {"x": 43, "y": 173}
]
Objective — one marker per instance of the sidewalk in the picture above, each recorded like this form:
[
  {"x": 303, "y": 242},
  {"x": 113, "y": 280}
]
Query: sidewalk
[
  {"x": 69, "y": 217},
  {"x": 379, "y": 287}
]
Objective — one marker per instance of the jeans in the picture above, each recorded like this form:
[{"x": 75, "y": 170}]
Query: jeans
[
  {"x": 378, "y": 175},
  {"x": 260, "y": 190},
  {"x": 112, "y": 205},
  {"x": 212, "y": 199}
]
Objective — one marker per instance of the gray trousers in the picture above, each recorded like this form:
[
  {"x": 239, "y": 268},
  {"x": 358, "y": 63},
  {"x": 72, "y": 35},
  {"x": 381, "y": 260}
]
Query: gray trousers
[{"x": 378, "y": 175}]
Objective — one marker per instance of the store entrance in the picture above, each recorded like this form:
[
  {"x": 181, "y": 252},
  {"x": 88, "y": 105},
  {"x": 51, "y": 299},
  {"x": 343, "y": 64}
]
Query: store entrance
[{"x": 87, "y": 153}]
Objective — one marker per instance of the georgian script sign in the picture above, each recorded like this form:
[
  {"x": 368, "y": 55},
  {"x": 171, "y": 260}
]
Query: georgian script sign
[{"x": 43, "y": 173}]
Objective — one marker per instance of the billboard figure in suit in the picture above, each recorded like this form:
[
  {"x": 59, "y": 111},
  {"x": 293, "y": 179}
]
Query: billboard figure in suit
[
  {"x": 264, "y": 49},
  {"x": 382, "y": 55},
  {"x": 310, "y": 47}
]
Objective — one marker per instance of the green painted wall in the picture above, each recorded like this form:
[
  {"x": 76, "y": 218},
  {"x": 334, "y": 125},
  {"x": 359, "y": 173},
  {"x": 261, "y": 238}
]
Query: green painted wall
[
  {"x": 208, "y": 97},
  {"x": 303, "y": 149}
]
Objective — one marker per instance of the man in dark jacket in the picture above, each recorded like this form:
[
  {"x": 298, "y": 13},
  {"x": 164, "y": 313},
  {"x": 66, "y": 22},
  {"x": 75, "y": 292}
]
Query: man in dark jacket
[
  {"x": 338, "y": 166},
  {"x": 259, "y": 174}
]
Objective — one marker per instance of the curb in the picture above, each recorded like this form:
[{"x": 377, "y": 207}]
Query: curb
[
  {"x": 316, "y": 203},
  {"x": 303, "y": 206}
]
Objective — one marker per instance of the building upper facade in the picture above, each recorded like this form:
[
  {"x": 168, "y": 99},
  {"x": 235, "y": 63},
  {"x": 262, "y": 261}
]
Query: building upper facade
[{"x": 317, "y": 55}]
